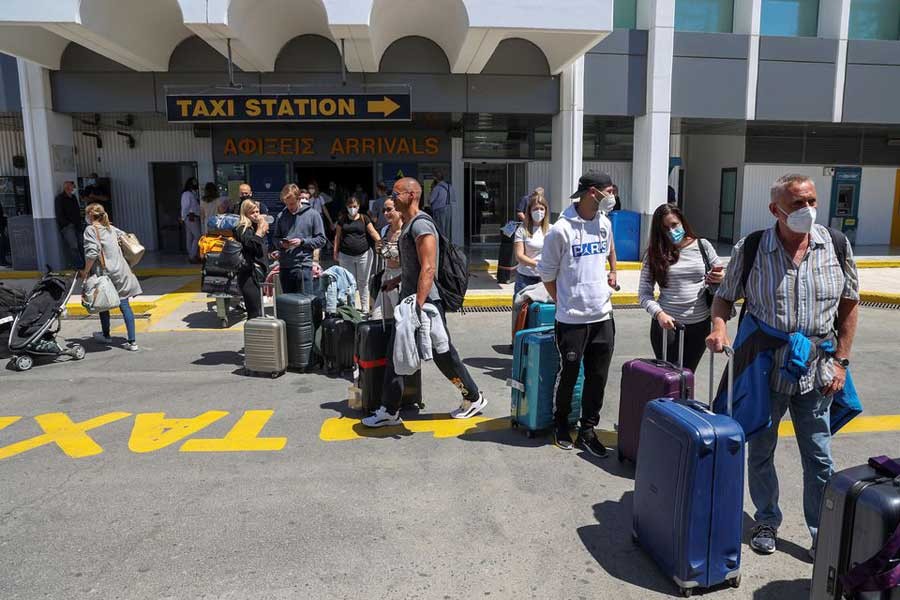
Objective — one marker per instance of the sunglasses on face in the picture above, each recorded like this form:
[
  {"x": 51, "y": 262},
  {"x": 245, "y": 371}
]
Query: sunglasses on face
[{"x": 395, "y": 195}]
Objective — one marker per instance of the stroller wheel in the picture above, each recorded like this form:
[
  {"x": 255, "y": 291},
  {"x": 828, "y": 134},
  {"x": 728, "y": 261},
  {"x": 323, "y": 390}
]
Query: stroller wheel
[
  {"x": 77, "y": 351},
  {"x": 22, "y": 363}
]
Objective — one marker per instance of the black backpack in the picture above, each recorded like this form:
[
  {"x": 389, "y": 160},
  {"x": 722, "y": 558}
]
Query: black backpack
[{"x": 452, "y": 277}]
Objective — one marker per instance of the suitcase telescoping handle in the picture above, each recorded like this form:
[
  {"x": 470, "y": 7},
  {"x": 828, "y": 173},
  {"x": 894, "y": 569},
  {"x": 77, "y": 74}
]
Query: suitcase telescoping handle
[
  {"x": 262, "y": 299},
  {"x": 665, "y": 351},
  {"x": 729, "y": 352}
]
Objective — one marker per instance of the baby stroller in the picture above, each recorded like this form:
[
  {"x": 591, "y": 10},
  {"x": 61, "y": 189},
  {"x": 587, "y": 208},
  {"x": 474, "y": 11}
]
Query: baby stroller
[{"x": 36, "y": 324}]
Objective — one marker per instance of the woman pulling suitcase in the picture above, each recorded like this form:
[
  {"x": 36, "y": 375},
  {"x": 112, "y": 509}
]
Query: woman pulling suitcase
[
  {"x": 251, "y": 233},
  {"x": 684, "y": 267}
]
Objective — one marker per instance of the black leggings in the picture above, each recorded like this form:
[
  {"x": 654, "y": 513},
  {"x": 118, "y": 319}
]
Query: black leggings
[
  {"x": 694, "y": 342},
  {"x": 250, "y": 290}
]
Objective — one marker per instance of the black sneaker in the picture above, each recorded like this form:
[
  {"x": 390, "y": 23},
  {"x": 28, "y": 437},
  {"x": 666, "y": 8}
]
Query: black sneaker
[
  {"x": 762, "y": 539},
  {"x": 589, "y": 441},
  {"x": 562, "y": 438}
]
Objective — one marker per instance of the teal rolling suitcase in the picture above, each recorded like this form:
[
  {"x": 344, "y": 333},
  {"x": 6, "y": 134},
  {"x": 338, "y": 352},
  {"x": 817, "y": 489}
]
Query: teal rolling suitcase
[{"x": 535, "y": 364}]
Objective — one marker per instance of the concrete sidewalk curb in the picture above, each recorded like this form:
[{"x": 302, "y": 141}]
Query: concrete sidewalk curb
[
  {"x": 880, "y": 298},
  {"x": 140, "y": 309}
]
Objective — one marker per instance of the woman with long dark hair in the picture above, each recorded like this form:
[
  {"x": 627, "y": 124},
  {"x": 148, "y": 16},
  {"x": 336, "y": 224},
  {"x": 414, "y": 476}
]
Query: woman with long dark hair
[{"x": 686, "y": 269}]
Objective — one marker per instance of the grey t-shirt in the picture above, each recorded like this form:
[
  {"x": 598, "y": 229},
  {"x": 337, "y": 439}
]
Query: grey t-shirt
[{"x": 409, "y": 258}]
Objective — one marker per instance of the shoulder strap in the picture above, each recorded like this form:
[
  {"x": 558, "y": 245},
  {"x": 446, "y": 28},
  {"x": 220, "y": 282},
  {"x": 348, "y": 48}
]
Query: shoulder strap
[
  {"x": 100, "y": 244},
  {"x": 751, "y": 248},
  {"x": 701, "y": 245},
  {"x": 839, "y": 241}
]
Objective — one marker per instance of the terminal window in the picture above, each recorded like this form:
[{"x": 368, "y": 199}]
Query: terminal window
[
  {"x": 875, "y": 20},
  {"x": 795, "y": 18},
  {"x": 710, "y": 16}
]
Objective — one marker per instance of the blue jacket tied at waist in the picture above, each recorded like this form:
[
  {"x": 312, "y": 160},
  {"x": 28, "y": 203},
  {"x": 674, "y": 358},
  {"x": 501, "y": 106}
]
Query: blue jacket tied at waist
[{"x": 754, "y": 351}]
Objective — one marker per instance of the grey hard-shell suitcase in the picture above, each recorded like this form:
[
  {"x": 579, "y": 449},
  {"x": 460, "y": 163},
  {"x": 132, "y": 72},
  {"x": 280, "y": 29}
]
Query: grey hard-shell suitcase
[
  {"x": 302, "y": 314},
  {"x": 860, "y": 511},
  {"x": 265, "y": 344}
]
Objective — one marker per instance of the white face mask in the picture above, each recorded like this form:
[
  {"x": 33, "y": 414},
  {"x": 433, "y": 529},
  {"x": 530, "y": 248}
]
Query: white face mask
[
  {"x": 537, "y": 216},
  {"x": 607, "y": 203},
  {"x": 352, "y": 211},
  {"x": 802, "y": 220}
]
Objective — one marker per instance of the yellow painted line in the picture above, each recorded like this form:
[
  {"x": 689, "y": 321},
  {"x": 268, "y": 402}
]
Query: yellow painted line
[
  {"x": 879, "y": 297},
  {"x": 139, "y": 308},
  {"x": 863, "y": 263},
  {"x": 873, "y": 424},
  {"x": 166, "y": 305},
  {"x": 475, "y": 300}
]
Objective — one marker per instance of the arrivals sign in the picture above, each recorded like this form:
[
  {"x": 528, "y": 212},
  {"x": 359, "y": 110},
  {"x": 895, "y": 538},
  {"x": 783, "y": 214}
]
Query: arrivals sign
[{"x": 293, "y": 108}]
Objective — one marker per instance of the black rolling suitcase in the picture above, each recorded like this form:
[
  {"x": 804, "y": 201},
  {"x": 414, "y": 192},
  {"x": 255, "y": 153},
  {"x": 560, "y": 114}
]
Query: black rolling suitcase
[
  {"x": 371, "y": 357},
  {"x": 858, "y": 546},
  {"x": 338, "y": 339},
  {"x": 302, "y": 315},
  {"x": 506, "y": 260}
]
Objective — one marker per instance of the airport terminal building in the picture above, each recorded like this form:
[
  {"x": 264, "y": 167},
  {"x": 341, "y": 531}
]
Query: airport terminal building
[{"x": 714, "y": 98}]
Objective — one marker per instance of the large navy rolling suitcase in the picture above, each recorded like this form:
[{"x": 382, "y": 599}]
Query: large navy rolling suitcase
[
  {"x": 302, "y": 314},
  {"x": 689, "y": 491},
  {"x": 858, "y": 543},
  {"x": 643, "y": 380},
  {"x": 535, "y": 366}
]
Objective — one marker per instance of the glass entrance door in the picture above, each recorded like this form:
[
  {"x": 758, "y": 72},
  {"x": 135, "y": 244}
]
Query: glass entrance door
[{"x": 492, "y": 190}]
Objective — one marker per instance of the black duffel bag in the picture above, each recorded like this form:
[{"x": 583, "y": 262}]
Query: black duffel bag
[
  {"x": 227, "y": 261},
  {"x": 219, "y": 284}
]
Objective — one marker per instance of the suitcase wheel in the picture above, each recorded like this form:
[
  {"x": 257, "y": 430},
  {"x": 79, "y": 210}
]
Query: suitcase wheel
[
  {"x": 634, "y": 538},
  {"x": 514, "y": 424},
  {"x": 620, "y": 455},
  {"x": 687, "y": 592},
  {"x": 275, "y": 375},
  {"x": 224, "y": 323},
  {"x": 529, "y": 434},
  {"x": 736, "y": 582}
]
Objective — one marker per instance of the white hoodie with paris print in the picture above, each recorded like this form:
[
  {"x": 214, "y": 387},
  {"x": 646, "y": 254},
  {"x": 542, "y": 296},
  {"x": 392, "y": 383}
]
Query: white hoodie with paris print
[{"x": 575, "y": 254}]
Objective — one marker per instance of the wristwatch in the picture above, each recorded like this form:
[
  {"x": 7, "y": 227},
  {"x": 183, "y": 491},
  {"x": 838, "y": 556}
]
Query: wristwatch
[{"x": 844, "y": 362}]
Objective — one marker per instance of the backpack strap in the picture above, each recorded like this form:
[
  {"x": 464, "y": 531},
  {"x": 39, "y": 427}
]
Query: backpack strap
[
  {"x": 751, "y": 249},
  {"x": 839, "y": 241}
]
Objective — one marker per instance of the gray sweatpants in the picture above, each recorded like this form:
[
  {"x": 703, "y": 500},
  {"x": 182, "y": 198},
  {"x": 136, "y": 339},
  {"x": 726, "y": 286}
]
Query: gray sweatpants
[{"x": 360, "y": 267}]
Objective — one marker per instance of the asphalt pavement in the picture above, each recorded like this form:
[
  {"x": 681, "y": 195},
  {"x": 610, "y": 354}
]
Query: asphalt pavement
[{"x": 258, "y": 488}]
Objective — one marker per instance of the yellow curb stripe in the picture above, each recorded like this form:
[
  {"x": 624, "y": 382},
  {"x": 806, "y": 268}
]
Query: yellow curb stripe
[
  {"x": 476, "y": 300},
  {"x": 139, "y": 308},
  {"x": 342, "y": 429},
  {"x": 880, "y": 297},
  {"x": 167, "y": 304}
]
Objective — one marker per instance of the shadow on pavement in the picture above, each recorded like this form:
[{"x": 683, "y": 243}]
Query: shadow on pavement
[
  {"x": 782, "y": 545},
  {"x": 342, "y": 408},
  {"x": 488, "y": 431},
  {"x": 498, "y": 368},
  {"x": 207, "y": 319},
  {"x": 610, "y": 464},
  {"x": 609, "y": 542},
  {"x": 506, "y": 349},
  {"x": 220, "y": 357},
  {"x": 779, "y": 590}
]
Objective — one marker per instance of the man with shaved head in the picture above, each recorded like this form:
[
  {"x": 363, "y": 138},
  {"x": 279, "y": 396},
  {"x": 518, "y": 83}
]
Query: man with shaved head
[{"x": 419, "y": 262}]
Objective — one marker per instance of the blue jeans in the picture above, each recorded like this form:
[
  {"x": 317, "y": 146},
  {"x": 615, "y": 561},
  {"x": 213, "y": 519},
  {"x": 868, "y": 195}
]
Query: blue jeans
[
  {"x": 810, "y": 417},
  {"x": 296, "y": 280},
  {"x": 523, "y": 281},
  {"x": 127, "y": 314}
]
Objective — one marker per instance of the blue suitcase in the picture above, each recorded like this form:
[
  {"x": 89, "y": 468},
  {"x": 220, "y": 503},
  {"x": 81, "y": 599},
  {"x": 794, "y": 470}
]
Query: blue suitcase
[
  {"x": 541, "y": 314},
  {"x": 689, "y": 491},
  {"x": 535, "y": 364}
]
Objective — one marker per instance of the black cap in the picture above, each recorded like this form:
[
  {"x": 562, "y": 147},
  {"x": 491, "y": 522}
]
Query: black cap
[{"x": 592, "y": 179}]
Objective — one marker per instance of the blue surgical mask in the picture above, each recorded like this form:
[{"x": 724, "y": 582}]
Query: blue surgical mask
[{"x": 677, "y": 234}]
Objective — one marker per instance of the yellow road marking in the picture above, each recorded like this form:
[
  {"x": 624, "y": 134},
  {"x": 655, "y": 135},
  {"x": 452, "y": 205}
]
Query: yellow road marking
[
  {"x": 166, "y": 305},
  {"x": 70, "y": 437},
  {"x": 872, "y": 424},
  {"x": 153, "y": 431},
  {"x": 243, "y": 437},
  {"x": 7, "y": 421}
]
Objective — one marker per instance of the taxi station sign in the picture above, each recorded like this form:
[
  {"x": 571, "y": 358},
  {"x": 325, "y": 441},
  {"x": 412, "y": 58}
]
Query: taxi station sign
[{"x": 293, "y": 108}]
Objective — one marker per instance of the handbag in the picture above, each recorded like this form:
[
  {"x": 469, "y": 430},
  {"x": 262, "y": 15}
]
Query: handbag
[
  {"x": 132, "y": 249},
  {"x": 98, "y": 293},
  {"x": 709, "y": 292}
]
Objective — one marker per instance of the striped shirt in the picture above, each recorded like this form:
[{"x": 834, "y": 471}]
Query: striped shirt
[
  {"x": 794, "y": 298},
  {"x": 684, "y": 296}
]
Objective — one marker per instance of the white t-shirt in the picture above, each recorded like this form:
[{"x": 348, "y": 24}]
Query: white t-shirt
[{"x": 534, "y": 245}]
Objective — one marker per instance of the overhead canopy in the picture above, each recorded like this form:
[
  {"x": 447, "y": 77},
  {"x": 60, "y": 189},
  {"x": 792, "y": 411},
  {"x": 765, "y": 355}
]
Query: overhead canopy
[{"x": 142, "y": 35}]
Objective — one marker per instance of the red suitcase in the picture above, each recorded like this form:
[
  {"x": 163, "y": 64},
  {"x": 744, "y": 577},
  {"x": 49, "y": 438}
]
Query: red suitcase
[{"x": 643, "y": 380}]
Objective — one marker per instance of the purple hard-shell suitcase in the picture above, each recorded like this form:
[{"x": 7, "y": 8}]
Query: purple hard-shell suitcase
[
  {"x": 689, "y": 490},
  {"x": 643, "y": 380}
]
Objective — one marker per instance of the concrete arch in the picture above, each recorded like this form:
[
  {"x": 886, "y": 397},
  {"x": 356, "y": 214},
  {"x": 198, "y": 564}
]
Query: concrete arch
[
  {"x": 309, "y": 53},
  {"x": 262, "y": 28},
  {"x": 414, "y": 54},
  {"x": 139, "y": 34},
  {"x": 517, "y": 56},
  {"x": 194, "y": 55},
  {"x": 446, "y": 22}
]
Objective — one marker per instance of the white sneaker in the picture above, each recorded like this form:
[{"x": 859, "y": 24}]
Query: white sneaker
[
  {"x": 468, "y": 409},
  {"x": 382, "y": 418},
  {"x": 131, "y": 346},
  {"x": 103, "y": 339}
]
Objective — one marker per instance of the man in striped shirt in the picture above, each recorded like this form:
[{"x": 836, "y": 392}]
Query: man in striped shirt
[{"x": 796, "y": 284}]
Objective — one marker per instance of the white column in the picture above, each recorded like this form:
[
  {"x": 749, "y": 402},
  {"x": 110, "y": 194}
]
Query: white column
[
  {"x": 567, "y": 136},
  {"x": 458, "y": 182},
  {"x": 834, "y": 23},
  {"x": 747, "y": 20},
  {"x": 50, "y": 150},
  {"x": 650, "y": 167}
]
